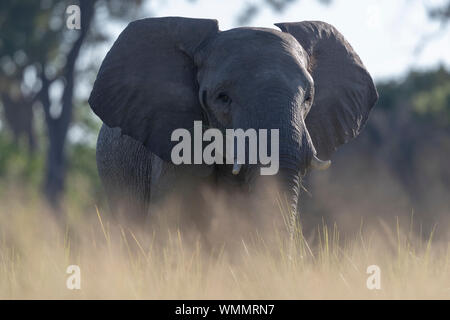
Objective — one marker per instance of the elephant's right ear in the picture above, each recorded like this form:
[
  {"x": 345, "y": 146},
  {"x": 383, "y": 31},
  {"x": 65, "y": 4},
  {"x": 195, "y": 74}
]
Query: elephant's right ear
[{"x": 147, "y": 82}]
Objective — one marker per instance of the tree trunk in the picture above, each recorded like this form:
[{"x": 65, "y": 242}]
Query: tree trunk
[
  {"x": 57, "y": 128},
  {"x": 19, "y": 118}
]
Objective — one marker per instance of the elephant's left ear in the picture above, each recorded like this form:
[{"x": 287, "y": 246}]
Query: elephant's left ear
[{"x": 344, "y": 90}]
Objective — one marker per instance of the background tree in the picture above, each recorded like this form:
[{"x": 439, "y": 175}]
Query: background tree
[{"x": 36, "y": 51}]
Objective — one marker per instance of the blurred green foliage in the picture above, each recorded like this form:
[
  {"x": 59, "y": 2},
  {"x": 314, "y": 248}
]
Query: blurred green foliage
[
  {"x": 434, "y": 103},
  {"x": 413, "y": 84},
  {"x": 17, "y": 163},
  {"x": 40, "y": 73},
  {"x": 427, "y": 94},
  {"x": 24, "y": 169}
]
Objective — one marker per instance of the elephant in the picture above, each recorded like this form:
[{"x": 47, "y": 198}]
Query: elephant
[{"x": 162, "y": 74}]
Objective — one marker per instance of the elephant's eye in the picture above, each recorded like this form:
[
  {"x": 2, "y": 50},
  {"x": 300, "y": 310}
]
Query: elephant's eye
[
  {"x": 309, "y": 95},
  {"x": 223, "y": 98},
  {"x": 308, "y": 98}
]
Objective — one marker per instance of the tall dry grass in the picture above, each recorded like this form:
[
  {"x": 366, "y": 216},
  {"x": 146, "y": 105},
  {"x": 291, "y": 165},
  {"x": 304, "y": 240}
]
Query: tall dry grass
[{"x": 120, "y": 261}]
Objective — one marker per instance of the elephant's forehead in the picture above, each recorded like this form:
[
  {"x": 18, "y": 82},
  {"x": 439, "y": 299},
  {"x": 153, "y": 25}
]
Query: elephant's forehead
[{"x": 256, "y": 46}]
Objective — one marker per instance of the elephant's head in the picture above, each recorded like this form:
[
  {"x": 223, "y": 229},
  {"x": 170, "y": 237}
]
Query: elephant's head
[{"x": 305, "y": 80}]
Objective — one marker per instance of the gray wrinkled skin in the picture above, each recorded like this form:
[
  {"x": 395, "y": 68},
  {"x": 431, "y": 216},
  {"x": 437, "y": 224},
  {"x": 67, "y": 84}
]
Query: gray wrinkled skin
[
  {"x": 164, "y": 73},
  {"x": 133, "y": 177},
  {"x": 125, "y": 169}
]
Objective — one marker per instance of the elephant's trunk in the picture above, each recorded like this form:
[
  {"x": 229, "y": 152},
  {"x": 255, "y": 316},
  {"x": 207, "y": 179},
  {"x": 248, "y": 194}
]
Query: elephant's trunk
[
  {"x": 295, "y": 147},
  {"x": 289, "y": 184},
  {"x": 281, "y": 189}
]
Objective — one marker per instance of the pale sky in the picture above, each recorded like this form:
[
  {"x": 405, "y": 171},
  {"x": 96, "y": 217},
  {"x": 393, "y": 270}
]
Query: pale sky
[{"x": 385, "y": 33}]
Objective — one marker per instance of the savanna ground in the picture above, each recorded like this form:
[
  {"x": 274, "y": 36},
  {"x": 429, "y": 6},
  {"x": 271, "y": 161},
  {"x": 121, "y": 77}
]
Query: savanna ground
[{"x": 118, "y": 260}]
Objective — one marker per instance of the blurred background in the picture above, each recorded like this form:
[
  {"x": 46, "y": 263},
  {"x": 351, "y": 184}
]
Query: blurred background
[{"x": 398, "y": 167}]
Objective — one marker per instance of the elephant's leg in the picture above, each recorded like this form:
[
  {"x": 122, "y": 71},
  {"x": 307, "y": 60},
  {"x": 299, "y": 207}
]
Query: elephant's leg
[
  {"x": 181, "y": 194},
  {"x": 124, "y": 166}
]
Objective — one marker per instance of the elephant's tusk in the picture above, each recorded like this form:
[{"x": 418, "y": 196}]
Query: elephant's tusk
[
  {"x": 236, "y": 168},
  {"x": 318, "y": 164}
]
